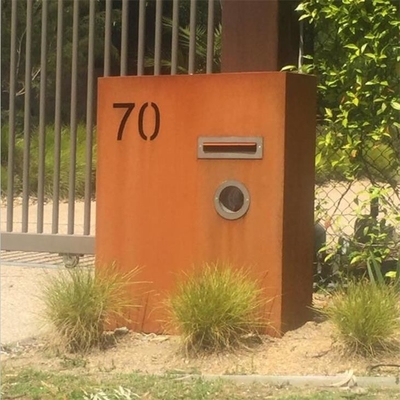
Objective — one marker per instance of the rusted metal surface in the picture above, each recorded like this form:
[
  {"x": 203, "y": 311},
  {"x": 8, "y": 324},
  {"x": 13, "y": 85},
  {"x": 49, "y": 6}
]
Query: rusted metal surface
[
  {"x": 163, "y": 218},
  {"x": 259, "y": 35}
]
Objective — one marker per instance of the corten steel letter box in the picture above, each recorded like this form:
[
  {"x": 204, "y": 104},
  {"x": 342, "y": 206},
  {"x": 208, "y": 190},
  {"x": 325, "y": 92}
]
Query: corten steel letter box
[{"x": 202, "y": 168}]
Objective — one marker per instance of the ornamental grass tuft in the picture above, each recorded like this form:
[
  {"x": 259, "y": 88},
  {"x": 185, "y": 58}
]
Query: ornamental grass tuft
[
  {"x": 80, "y": 303},
  {"x": 366, "y": 316},
  {"x": 215, "y": 307}
]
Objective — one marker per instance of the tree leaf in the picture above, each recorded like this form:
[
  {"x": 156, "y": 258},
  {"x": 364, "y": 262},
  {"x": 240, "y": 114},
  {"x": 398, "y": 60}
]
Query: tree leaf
[
  {"x": 318, "y": 159},
  {"x": 395, "y": 105},
  {"x": 328, "y": 112},
  {"x": 351, "y": 46},
  {"x": 363, "y": 47}
]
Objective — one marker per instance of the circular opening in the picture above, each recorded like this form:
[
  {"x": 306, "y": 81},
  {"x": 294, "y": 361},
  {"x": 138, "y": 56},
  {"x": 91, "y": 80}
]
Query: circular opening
[{"x": 231, "y": 199}]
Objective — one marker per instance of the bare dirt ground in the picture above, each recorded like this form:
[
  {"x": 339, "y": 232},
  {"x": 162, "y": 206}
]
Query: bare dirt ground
[{"x": 309, "y": 350}]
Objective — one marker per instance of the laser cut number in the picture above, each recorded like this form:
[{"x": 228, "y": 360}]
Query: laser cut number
[
  {"x": 129, "y": 107},
  {"x": 156, "y": 125}
]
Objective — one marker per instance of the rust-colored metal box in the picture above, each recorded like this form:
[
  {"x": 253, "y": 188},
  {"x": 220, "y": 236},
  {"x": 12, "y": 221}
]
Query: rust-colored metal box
[{"x": 202, "y": 168}]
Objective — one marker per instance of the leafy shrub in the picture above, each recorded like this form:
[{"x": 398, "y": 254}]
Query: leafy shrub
[
  {"x": 215, "y": 306},
  {"x": 358, "y": 101},
  {"x": 80, "y": 303},
  {"x": 378, "y": 162},
  {"x": 366, "y": 315}
]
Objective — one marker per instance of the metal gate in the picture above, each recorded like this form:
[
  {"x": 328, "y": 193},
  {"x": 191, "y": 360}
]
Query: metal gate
[{"x": 52, "y": 54}]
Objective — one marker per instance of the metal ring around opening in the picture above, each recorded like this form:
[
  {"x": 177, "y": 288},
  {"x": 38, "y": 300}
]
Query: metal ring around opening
[{"x": 232, "y": 200}]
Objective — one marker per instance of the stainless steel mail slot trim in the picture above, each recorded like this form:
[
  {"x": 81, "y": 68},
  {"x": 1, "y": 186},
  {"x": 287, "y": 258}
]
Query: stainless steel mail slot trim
[{"x": 230, "y": 147}]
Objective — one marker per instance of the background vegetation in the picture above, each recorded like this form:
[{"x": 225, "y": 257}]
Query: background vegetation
[
  {"x": 355, "y": 55},
  {"x": 356, "y": 59},
  {"x": 49, "y": 161}
]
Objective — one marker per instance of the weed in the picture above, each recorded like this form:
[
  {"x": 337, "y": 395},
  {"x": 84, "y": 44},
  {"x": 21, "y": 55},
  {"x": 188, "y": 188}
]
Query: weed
[
  {"x": 366, "y": 315},
  {"x": 215, "y": 307},
  {"x": 112, "y": 367},
  {"x": 79, "y": 304},
  {"x": 72, "y": 362}
]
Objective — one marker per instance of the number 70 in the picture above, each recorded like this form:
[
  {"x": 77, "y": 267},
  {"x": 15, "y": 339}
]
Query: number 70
[{"x": 129, "y": 108}]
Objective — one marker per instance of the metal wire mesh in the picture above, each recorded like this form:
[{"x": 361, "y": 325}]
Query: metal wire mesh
[{"x": 359, "y": 214}]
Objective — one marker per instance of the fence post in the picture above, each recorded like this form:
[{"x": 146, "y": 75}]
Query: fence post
[{"x": 259, "y": 35}]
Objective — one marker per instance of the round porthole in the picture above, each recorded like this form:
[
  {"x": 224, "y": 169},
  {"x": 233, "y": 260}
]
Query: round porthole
[{"x": 232, "y": 200}]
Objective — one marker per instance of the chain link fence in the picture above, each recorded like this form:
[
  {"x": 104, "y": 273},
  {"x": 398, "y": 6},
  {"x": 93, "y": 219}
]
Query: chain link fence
[
  {"x": 358, "y": 137},
  {"x": 357, "y": 217}
]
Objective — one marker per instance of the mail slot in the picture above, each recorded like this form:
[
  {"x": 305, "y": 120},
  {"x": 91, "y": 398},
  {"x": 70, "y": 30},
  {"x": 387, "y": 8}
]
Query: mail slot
[
  {"x": 230, "y": 147},
  {"x": 206, "y": 168}
]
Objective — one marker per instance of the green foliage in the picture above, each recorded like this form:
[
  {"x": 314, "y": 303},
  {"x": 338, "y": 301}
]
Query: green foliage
[
  {"x": 215, "y": 306},
  {"x": 366, "y": 315},
  {"x": 49, "y": 161},
  {"x": 333, "y": 164},
  {"x": 376, "y": 276},
  {"x": 356, "y": 59},
  {"x": 394, "y": 276},
  {"x": 79, "y": 304},
  {"x": 373, "y": 244}
]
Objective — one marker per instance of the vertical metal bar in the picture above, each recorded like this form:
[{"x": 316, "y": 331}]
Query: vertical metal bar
[
  {"x": 124, "y": 38},
  {"x": 27, "y": 118},
  {"x": 175, "y": 33},
  {"x": 107, "y": 38},
  {"x": 11, "y": 118},
  {"x": 301, "y": 45},
  {"x": 192, "y": 40},
  {"x": 210, "y": 37},
  {"x": 157, "y": 44},
  {"x": 57, "y": 120},
  {"x": 141, "y": 38},
  {"x": 73, "y": 122},
  {"x": 42, "y": 118},
  {"x": 89, "y": 122}
]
